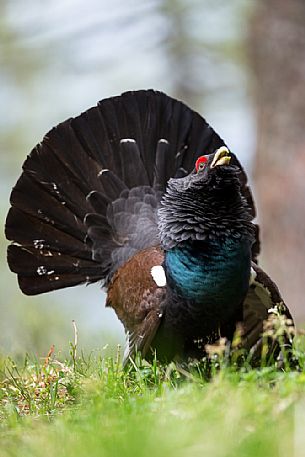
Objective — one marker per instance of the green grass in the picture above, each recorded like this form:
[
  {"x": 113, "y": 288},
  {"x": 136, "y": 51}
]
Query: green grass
[{"x": 87, "y": 405}]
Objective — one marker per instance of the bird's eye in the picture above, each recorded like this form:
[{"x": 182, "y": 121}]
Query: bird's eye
[{"x": 201, "y": 163}]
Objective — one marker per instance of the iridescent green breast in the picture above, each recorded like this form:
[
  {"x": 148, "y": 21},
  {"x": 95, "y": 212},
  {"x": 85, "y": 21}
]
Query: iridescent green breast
[{"x": 214, "y": 274}]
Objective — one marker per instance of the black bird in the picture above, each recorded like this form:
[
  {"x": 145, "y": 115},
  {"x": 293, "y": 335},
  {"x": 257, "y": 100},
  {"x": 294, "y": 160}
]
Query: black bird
[{"x": 141, "y": 194}]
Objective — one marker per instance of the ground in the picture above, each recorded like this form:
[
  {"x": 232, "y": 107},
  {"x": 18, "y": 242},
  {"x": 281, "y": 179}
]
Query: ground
[{"x": 88, "y": 405}]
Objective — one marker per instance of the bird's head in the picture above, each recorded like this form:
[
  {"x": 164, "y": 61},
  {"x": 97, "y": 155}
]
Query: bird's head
[
  {"x": 220, "y": 157},
  {"x": 212, "y": 174},
  {"x": 206, "y": 204}
]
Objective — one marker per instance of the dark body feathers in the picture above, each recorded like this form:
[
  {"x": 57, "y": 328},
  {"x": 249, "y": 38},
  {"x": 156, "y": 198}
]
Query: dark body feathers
[{"x": 96, "y": 202}]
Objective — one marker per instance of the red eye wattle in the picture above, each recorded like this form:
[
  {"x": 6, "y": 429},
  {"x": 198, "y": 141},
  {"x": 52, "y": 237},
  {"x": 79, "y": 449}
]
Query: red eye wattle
[{"x": 201, "y": 162}]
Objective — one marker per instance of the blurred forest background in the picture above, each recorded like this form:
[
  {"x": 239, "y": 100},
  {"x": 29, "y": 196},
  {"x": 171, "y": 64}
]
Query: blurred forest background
[{"x": 241, "y": 64}]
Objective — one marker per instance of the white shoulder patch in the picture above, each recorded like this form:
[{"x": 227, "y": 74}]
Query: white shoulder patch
[{"x": 158, "y": 275}]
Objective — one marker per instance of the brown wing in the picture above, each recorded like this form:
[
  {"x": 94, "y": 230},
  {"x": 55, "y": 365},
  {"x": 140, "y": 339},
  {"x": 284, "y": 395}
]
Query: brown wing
[
  {"x": 137, "y": 300},
  {"x": 264, "y": 312}
]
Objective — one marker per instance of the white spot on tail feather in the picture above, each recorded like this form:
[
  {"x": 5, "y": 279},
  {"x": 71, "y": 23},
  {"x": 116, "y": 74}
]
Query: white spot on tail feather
[
  {"x": 104, "y": 170},
  {"x": 158, "y": 275},
  {"x": 127, "y": 140},
  {"x": 41, "y": 270},
  {"x": 163, "y": 140},
  {"x": 38, "y": 244}
]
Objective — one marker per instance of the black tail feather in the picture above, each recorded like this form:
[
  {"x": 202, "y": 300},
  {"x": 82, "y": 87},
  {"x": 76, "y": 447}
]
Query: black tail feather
[
  {"x": 87, "y": 198},
  {"x": 132, "y": 166},
  {"x": 35, "y": 199},
  {"x": 98, "y": 201},
  {"x": 29, "y": 232},
  {"x": 112, "y": 185}
]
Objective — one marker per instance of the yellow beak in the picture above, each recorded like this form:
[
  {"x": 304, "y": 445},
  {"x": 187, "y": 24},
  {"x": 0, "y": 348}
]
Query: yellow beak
[{"x": 222, "y": 157}]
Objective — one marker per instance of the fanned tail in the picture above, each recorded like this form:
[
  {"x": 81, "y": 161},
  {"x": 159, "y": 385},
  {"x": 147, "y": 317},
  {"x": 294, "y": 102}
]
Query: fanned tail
[{"x": 87, "y": 198}]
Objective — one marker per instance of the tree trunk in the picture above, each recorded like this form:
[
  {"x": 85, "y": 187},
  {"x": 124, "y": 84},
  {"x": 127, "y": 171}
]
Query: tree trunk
[{"x": 277, "y": 52}]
